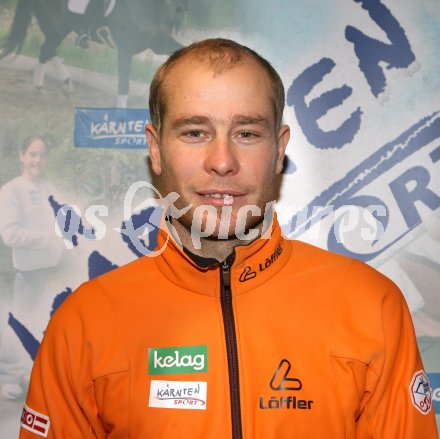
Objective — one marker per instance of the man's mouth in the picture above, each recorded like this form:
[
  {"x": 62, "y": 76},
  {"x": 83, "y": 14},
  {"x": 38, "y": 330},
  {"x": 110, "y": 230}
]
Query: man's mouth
[
  {"x": 217, "y": 195},
  {"x": 228, "y": 198},
  {"x": 220, "y": 198}
]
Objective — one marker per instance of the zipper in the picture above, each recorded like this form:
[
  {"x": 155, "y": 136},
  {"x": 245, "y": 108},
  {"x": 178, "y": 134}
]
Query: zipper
[{"x": 231, "y": 346}]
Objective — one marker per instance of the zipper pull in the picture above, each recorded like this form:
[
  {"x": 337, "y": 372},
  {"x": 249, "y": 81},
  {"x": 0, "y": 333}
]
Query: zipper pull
[{"x": 226, "y": 274}]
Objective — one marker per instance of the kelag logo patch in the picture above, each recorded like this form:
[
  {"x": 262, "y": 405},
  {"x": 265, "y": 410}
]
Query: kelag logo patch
[{"x": 177, "y": 360}]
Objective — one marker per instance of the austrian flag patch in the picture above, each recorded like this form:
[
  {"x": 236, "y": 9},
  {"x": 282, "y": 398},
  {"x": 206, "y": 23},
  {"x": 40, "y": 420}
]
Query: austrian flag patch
[
  {"x": 35, "y": 422},
  {"x": 420, "y": 391}
]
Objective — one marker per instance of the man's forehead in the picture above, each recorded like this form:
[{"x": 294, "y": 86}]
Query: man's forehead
[
  {"x": 193, "y": 90},
  {"x": 204, "y": 60},
  {"x": 235, "y": 119},
  {"x": 192, "y": 65}
]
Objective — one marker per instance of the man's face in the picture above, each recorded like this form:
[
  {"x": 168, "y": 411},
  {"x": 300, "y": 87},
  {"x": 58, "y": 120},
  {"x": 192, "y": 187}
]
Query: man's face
[
  {"x": 34, "y": 159},
  {"x": 218, "y": 144}
]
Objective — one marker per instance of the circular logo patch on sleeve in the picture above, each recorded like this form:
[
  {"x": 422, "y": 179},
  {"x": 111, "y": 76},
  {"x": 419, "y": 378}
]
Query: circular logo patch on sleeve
[{"x": 420, "y": 392}]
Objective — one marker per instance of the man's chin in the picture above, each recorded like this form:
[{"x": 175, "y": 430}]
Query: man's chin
[
  {"x": 222, "y": 229},
  {"x": 230, "y": 237}
]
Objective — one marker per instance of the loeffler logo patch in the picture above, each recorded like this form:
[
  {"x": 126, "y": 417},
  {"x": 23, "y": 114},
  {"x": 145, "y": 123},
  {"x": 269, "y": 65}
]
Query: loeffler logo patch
[
  {"x": 178, "y": 394},
  {"x": 248, "y": 273},
  {"x": 420, "y": 392},
  {"x": 35, "y": 422},
  {"x": 283, "y": 381},
  {"x": 177, "y": 360}
]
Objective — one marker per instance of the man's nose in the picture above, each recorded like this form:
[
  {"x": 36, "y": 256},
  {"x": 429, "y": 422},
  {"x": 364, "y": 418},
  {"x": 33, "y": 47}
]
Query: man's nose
[{"x": 222, "y": 157}]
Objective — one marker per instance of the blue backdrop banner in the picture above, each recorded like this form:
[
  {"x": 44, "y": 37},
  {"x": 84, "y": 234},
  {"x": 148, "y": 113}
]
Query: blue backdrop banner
[{"x": 110, "y": 127}]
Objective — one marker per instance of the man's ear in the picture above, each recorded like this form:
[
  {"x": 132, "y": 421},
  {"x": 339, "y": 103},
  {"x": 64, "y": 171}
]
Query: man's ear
[
  {"x": 283, "y": 140},
  {"x": 153, "y": 144}
]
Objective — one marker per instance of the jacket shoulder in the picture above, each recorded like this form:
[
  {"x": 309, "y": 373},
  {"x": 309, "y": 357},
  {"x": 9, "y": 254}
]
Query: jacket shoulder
[
  {"x": 93, "y": 294},
  {"x": 133, "y": 272},
  {"x": 321, "y": 254},
  {"x": 357, "y": 278}
]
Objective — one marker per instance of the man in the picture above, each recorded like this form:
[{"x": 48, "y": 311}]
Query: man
[{"x": 230, "y": 331}]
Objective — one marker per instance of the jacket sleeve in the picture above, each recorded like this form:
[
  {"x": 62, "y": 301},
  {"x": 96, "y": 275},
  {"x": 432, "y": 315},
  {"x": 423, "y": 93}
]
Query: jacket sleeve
[
  {"x": 79, "y": 358},
  {"x": 395, "y": 401}
]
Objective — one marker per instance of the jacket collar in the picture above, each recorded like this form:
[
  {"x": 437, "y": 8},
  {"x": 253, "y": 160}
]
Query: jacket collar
[
  {"x": 253, "y": 265},
  {"x": 201, "y": 261}
]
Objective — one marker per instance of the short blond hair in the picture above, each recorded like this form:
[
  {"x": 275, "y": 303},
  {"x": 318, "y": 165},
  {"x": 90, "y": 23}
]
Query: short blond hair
[{"x": 221, "y": 55}]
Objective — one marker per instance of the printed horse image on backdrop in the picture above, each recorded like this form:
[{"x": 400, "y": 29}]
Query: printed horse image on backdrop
[{"x": 135, "y": 25}]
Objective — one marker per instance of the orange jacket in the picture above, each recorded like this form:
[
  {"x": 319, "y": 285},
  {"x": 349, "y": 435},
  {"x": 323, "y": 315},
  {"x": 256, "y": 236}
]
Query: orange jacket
[{"x": 290, "y": 341}]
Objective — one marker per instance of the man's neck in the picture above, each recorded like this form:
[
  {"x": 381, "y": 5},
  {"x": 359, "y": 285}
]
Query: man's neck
[{"x": 218, "y": 249}]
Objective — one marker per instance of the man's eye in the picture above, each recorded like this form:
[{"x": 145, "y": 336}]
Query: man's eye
[
  {"x": 247, "y": 135},
  {"x": 194, "y": 133}
]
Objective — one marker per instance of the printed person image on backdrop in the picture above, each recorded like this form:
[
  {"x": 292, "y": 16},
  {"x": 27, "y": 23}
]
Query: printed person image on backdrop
[
  {"x": 26, "y": 226},
  {"x": 231, "y": 330}
]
